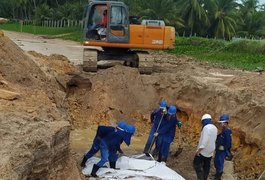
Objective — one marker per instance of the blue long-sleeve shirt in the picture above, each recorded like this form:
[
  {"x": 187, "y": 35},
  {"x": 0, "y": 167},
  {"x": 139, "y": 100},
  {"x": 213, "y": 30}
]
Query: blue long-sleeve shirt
[
  {"x": 114, "y": 139},
  {"x": 169, "y": 128},
  {"x": 156, "y": 116},
  {"x": 224, "y": 139},
  {"x": 103, "y": 131}
]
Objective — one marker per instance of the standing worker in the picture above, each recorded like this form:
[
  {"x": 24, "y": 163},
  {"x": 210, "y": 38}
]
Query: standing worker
[
  {"x": 223, "y": 146},
  {"x": 102, "y": 132},
  {"x": 205, "y": 149},
  {"x": 156, "y": 116},
  {"x": 166, "y": 134}
]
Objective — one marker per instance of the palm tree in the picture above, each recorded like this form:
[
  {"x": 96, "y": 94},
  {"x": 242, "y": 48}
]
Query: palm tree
[
  {"x": 224, "y": 22},
  {"x": 193, "y": 13},
  {"x": 254, "y": 20}
]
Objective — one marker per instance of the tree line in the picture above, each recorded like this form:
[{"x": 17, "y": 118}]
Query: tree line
[{"x": 207, "y": 18}]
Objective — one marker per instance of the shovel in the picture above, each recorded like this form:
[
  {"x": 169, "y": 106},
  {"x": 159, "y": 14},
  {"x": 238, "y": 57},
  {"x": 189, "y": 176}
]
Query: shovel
[{"x": 180, "y": 149}]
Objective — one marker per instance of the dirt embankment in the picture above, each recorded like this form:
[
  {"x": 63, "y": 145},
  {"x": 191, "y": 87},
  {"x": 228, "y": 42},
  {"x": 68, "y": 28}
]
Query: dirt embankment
[
  {"x": 34, "y": 133},
  {"x": 121, "y": 93}
]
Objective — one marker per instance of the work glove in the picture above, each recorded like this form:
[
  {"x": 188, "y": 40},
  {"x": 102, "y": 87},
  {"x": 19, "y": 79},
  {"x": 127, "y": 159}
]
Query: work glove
[
  {"x": 156, "y": 134},
  {"x": 179, "y": 124}
]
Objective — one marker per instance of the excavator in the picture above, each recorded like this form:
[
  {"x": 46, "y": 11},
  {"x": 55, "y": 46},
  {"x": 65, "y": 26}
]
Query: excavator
[{"x": 110, "y": 34}]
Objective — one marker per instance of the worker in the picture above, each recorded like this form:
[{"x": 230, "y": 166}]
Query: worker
[
  {"x": 102, "y": 131},
  {"x": 110, "y": 145},
  {"x": 166, "y": 133},
  {"x": 206, "y": 147},
  {"x": 156, "y": 117},
  {"x": 113, "y": 156},
  {"x": 104, "y": 21},
  {"x": 223, "y": 146}
]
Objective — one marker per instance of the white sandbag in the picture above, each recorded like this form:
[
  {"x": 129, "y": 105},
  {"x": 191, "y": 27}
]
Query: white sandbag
[{"x": 131, "y": 168}]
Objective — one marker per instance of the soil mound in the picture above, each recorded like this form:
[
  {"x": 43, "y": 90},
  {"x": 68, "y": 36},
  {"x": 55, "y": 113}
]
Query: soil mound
[{"x": 34, "y": 134}]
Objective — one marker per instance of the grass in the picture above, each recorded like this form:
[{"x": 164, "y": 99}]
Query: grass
[
  {"x": 242, "y": 54},
  {"x": 71, "y": 33}
]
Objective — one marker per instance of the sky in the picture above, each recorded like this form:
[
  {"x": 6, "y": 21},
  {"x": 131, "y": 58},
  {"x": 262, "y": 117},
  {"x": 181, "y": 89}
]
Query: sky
[{"x": 262, "y": 1}]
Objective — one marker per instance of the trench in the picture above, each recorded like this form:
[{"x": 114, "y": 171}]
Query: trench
[
  {"x": 35, "y": 119},
  {"x": 121, "y": 98}
]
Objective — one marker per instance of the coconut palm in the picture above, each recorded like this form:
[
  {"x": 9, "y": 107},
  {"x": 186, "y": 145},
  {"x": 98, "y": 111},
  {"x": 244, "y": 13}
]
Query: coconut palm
[
  {"x": 253, "y": 20},
  {"x": 193, "y": 13},
  {"x": 224, "y": 19}
]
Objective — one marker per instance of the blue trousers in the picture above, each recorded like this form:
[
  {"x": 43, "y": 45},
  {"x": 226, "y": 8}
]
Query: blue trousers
[
  {"x": 104, "y": 152},
  {"x": 94, "y": 148},
  {"x": 163, "y": 145},
  {"x": 149, "y": 140},
  {"x": 219, "y": 160}
]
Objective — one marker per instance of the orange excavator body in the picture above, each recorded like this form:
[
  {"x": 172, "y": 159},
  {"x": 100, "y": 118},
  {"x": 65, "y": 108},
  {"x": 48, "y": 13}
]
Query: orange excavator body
[{"x": 119, "y": 37}]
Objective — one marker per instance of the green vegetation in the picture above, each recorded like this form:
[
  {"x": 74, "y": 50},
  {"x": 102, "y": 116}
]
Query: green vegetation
[
  {"x": 221, "y": 19},
  {"x": 72, "y": 33},
  {"x": 243, "y": 54}
]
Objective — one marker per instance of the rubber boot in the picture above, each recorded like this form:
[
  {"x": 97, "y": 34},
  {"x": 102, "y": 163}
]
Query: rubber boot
[
  {"x": 159, "y": 158},
  {"x": 164, "y": 159},
  {"x": 83, "y": 163},
  {"x": 218, "y": 175},
  {"x": 112, "y": 164},
  {"x": 94, "y": 170}
]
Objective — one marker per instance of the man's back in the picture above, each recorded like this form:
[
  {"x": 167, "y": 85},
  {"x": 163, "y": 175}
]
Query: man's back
[{"x": 207, "y": 140}]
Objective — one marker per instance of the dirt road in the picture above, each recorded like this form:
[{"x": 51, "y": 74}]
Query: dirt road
[{"x": 28, "y": 42}]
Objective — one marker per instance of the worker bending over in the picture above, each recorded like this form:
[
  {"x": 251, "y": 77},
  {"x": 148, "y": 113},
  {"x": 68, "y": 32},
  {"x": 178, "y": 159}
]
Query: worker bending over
[{"x": 102, "y": 131}]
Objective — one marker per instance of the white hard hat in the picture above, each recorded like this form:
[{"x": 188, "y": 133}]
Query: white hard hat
[{"x": 206, "y": 116}]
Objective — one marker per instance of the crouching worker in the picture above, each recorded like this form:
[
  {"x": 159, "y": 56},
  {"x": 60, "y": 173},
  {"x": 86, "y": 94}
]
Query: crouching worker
[
  {"x": 223, "y": 146},
  {"x": 102, "y": 132},
  {"x": 109, "y": 145}
]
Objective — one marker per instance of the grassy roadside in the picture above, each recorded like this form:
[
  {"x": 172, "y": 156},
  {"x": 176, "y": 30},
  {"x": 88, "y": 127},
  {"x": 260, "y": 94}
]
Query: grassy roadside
[
  {"x": 73, "y": 33},
  {"x": 242, "y": 54}
]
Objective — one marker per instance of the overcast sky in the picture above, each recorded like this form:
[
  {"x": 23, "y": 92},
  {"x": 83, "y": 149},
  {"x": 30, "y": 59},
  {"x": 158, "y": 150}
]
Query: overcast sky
[{"x": 262, "y": 1}]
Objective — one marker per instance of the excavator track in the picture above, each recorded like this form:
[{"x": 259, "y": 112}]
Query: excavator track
[
  {"x": 90, "y": 58},
  {"x": 145, "y": 63}
]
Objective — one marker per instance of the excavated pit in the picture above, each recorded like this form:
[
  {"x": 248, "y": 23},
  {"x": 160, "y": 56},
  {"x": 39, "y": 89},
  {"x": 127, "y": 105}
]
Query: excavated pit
[{"x": 43, "y": 98}]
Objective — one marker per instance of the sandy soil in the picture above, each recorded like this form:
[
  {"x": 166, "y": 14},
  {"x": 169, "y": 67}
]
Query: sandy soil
[{"x": 196, "y": 88}]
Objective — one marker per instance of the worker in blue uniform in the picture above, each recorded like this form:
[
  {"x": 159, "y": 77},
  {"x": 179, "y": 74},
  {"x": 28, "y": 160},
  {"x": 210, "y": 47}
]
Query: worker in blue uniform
[
  {"x": 109, "y": 145},
  {"x": 223, "y": 146},
  {"x": 113, "y": 155},
  {"x": 166, "y": 133},
  {"x": 102, "y": 131},
  {"x": 156, "y": 116}
]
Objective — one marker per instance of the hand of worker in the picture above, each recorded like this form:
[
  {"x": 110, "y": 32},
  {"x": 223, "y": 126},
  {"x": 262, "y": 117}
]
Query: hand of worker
[
  {"x": 164, "y": 110},
  {"x": 156, "y": 134},
  {"x": 179, "y": 124}
]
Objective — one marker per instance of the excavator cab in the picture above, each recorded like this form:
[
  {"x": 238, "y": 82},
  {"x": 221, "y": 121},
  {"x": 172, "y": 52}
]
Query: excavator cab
[{"x": 107, "y": 21}]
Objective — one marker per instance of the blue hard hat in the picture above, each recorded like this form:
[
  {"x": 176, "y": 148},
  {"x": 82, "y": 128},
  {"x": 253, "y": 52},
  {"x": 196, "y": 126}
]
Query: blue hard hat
[
  {"x": 130, "y": 128},
  {"x": 163, "y": 104},
  {"x": 172, "y": 110},
  {"x": 122, "y": 125},
  {"x": 224, "y": 118}
]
